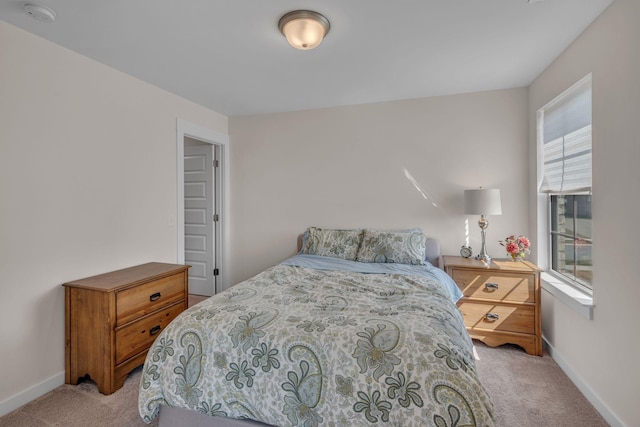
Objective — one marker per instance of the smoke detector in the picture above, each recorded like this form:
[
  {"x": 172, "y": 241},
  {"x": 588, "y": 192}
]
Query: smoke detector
[{"x": 39, "y": 12}]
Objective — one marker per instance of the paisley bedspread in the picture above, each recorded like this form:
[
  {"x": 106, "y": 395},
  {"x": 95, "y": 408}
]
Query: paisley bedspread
[{"x": 296, "y": 346}]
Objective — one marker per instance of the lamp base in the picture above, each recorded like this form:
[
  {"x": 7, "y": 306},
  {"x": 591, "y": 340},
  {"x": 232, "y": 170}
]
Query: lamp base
[
  {"x": 486, "y": 258},
  {"x": 483, "y": 255}
]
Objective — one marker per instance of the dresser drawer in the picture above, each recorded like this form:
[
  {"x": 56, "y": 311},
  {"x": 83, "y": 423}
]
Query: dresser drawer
[
  {"x": 140, "y": 300},
  {"x": 138, "y": 336},
  {"x": 495, "y": 285},
  {"x": 506, "y": 318}
]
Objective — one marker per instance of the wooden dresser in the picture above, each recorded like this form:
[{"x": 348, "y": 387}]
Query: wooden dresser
[
  {"x": 113, "y": 318},
  {"x": 501, "y": 302}
]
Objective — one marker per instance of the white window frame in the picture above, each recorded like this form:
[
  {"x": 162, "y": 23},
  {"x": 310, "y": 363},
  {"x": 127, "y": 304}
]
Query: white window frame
[{"x": 578, "y": 297}]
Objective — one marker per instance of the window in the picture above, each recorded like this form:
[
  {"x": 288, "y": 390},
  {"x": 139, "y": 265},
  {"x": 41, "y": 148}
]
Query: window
[
  {"x": 565, "y": 135},
  {"x": 571, "y": 237}
]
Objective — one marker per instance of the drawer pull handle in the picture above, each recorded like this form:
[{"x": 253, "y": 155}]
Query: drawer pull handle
[
  {"x": 155, "y": 297},
  {"x": 155, "y": 330},
  {"x": 492, "y": 317},
  {"x": 491, "y": 286}
]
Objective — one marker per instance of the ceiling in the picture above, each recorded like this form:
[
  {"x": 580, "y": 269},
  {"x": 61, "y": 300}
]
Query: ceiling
[{"x": 229, "y": 56}]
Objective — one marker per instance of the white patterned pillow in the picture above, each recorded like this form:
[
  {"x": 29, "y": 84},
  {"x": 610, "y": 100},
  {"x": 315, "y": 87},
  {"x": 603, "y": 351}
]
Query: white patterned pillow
[
  {"x": 389, "y": 246},
  {"x": 332, "y": 243}
]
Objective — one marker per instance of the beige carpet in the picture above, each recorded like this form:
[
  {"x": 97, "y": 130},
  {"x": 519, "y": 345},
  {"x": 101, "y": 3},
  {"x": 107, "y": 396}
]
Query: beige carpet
[
  {"x": 81, "y": 406},
  {"x": 532, "y": 391},
  {"x": 527, "y": 391}
]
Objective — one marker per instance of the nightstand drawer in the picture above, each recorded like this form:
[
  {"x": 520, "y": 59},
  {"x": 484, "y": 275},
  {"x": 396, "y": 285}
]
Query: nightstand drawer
[
  {"x": 138, "y": 336},
  {"x": 497, "y": 286},
  {"x": 138, "y": 301},
  {"x": 507, "y": 318}
]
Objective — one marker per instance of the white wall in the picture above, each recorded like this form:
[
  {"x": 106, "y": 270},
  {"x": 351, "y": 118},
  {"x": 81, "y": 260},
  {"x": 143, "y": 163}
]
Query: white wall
[
  {"x": 345, "y": 167},
  {"x": 87, "y": 185},
  {"x": 603, "y": 353}
]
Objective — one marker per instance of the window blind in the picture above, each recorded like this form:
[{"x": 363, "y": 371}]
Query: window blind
[{"x": 566, "y": 134}]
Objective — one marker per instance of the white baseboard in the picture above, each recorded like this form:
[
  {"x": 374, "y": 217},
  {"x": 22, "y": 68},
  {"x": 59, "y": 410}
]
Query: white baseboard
[
  {"x": 32, "y": 393},
  {"x": 591, "y": 396}
]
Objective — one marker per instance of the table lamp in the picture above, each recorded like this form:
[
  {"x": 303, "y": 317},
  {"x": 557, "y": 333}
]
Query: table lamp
[{"x": 482, "y": 202}]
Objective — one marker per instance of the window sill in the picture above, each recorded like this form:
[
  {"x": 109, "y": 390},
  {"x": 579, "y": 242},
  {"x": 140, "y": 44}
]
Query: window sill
[{"x": 576, "y": 299}]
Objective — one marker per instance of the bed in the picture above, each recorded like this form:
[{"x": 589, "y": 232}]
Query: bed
[{"x": 354, "y": 330}]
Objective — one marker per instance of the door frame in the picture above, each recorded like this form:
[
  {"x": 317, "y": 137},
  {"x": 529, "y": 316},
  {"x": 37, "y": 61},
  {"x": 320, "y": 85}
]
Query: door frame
[{"x": 221, "y": 140}]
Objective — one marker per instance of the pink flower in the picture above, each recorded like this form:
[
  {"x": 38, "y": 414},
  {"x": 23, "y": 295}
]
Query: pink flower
[
  {"x": 516, "y": 246},
  {"x": 513, "y": 248},
  {"x": 524, "y": 242}
]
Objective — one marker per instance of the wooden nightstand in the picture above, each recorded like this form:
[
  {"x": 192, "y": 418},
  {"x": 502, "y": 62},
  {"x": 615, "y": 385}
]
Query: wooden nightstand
[
  {"x": 112, "y": 320},
  {"x": 501, "y": 302}
]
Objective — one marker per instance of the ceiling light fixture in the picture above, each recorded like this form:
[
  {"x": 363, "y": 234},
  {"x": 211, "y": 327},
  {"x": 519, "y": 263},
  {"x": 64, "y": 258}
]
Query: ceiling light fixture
[
  {"x": 304, "y": 29},
  {"x": 39, "y": 12}
]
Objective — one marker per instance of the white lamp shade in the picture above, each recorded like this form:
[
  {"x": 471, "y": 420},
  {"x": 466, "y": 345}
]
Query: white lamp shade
[
  {"x": 482, "y": 202},
  {"x": 304, "y": 29}
]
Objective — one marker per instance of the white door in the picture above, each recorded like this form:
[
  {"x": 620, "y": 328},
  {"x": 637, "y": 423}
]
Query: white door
[{"x": 199, "y": 238}]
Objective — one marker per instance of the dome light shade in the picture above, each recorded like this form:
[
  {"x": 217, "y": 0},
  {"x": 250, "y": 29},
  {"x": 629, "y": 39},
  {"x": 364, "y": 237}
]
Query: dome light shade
[{"x": 304, "y": 29}]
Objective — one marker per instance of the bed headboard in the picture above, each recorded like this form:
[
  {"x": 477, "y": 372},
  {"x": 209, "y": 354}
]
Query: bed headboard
[{"x": 432, "y": 253}]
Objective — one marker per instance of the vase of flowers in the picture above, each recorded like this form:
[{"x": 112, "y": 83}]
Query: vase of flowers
[{"x": 517, "y": 247}]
